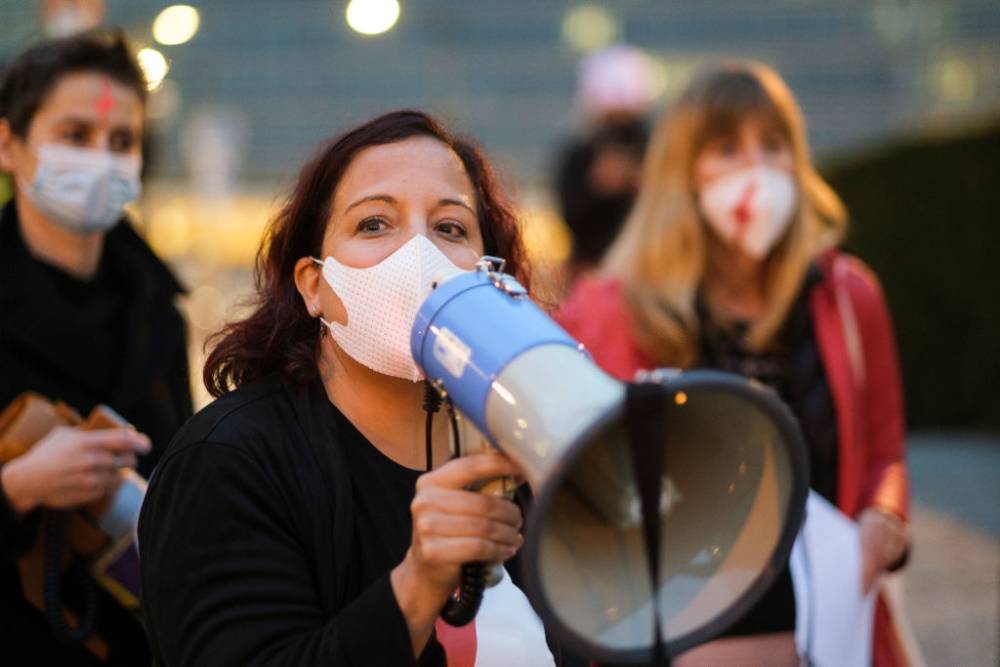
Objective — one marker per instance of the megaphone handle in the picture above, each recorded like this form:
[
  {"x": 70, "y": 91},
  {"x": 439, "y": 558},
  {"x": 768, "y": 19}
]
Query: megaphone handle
[
  {"x": 464, "y": 603},
  {"x": 646, "y": 430}
]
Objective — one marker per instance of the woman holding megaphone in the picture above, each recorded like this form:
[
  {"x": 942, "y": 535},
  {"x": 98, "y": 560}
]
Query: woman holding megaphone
[
  {"x": 729, "y": 261},
  {"x": 296, "y": 520}
]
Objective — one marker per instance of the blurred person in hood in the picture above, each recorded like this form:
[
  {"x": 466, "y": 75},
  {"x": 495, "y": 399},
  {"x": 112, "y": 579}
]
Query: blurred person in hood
[{"x": 597, "y": 173}]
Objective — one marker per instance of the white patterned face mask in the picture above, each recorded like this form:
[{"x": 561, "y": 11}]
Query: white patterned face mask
[
  {"x": 382, "y": 303},
  {"x": 750, "y": 208},
  {"x": 83, "y": 189}
]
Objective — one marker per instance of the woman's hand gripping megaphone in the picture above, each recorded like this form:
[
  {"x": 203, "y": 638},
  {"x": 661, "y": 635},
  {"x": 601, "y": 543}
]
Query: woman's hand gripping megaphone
[{"x": 455, "y": 529}]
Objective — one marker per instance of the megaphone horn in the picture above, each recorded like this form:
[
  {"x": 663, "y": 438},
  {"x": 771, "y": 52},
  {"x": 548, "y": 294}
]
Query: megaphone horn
[{"x": 731, "y": 485}]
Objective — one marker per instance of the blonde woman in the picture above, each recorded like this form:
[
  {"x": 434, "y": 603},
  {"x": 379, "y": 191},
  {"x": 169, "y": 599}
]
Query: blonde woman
[{"x": 729, "y": 260}]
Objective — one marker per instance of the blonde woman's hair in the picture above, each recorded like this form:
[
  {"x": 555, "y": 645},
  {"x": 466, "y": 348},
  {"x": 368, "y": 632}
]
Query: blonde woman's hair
[{"x": 660, "y": 255}]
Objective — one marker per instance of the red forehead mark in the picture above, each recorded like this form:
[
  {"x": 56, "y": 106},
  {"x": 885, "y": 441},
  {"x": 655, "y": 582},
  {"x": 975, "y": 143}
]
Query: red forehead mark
[
  {"x": 106, "y": 102},
  {"x": 742, "y": 211}
]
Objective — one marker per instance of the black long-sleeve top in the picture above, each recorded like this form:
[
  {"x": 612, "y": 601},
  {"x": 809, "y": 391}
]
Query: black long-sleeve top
[{"x": 267, "y": 537}]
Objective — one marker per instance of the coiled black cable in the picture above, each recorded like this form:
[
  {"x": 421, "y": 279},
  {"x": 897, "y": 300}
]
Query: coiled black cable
[
  {"x": 464, "y": 603},
  {"x": 53, "y": 595}
]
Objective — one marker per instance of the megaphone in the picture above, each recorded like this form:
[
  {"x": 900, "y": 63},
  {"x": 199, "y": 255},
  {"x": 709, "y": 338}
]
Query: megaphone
[{"x": 732, "y": 473}]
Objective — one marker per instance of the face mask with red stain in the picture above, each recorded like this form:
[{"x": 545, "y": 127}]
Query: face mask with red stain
[{"x": 750, "y": 208}]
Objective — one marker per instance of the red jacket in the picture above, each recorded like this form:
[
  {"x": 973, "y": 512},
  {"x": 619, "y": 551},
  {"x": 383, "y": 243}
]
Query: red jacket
[{"x": 855, "y": 338}]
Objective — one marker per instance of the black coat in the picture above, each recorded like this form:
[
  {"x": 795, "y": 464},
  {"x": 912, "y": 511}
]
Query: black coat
[
  {"x": 51, "y": 343},
  {"x": 44, "y": 344}
]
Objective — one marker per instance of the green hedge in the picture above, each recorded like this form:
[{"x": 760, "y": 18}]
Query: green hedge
[{"x": 925, "y": 214}]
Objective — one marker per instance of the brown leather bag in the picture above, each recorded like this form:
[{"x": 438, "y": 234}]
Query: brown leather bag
[{"x": 101, "y": 532}]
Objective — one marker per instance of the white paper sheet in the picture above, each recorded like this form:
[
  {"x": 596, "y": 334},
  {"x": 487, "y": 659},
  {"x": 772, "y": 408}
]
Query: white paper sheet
[
  {"x": 507, "y": 630},
  {"x": 833, "y": 624}
]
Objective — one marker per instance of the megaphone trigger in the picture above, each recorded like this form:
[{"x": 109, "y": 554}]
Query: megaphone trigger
[{"x": 501, "y": 487}]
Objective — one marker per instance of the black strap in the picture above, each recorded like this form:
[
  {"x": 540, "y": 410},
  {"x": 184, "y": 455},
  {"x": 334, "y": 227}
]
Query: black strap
[
  {"x": 646, "y": 419},
  {"x": 432, "y": 401},
  {"x": 60, "y": 627},
  {"x": 464, "y": 603}
]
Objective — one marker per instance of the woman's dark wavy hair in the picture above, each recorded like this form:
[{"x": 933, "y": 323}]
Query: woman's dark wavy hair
[{"x": 279, "y": 336}]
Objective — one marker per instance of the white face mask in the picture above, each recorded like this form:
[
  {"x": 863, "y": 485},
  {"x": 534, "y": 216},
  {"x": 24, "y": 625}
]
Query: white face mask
[
  {"x": 750, "y": 207},
  {"x": 382, "y": 303},
  {"x": 83, "y": 189}
]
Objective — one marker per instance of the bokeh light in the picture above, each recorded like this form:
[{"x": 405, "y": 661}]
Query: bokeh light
[
  {"x": 206, "y": 307},
  {"x": 587, "y": 28},
  {"x": 154, "y": 66},
  {"x": 164, "y": 102},
  {"x": 372, "y": 17},
  {"x": 176, "y": 24},
  {"x": 660, "y": 76},
  {"x": 954, "y": 80}
]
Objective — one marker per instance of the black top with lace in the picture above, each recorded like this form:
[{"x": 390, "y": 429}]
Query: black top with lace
[{"x": 792, "y": 366}]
